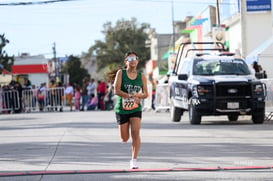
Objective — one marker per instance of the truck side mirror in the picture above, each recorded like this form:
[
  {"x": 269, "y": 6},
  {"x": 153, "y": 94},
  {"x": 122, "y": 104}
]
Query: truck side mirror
[{"x": 182, "y": 77}]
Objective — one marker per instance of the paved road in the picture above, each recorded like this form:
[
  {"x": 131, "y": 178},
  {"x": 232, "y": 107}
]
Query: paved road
[{"x": 77, "y": 143}]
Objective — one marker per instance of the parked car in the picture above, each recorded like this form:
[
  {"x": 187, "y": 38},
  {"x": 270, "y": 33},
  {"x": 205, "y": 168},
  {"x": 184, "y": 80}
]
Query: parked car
[{"x": 212, "y": 82}]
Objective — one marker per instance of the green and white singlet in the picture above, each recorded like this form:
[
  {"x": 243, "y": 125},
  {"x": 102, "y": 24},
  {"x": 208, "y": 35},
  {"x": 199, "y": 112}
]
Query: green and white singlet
[{"x": 127, "y": 105}]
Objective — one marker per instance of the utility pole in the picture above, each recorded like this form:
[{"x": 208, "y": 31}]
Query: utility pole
[
  {"x": 243, "y": 28},
  {"x": 55, "y": 60},
  {"x": 218, "y": 13},
  {"x": 173, "y": 25}
]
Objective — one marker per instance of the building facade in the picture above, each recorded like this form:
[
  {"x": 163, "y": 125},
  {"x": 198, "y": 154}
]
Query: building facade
[
  {"x": 245, "y": 27},
  {"x": 34, "y": 68}
]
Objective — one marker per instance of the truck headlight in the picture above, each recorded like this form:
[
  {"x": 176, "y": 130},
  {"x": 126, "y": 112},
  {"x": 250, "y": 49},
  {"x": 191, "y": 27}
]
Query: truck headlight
[
  {"x": 201, "y": 90},
  {"x": 258, "y": 90}
]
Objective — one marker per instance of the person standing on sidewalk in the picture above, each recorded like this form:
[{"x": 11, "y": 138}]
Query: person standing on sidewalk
[
  {"x": 84, "y": 94},
  {"x": 91, "y": 88},
  {"x": 69, "y": 92},
  {"x": 77, "y": 97},
  {"x": 101, "y": 90},
  {"x": 130, "y": 86}
]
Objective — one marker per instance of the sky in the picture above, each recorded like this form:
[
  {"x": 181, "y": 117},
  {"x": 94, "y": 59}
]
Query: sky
[{"x": 73, "y": 26}]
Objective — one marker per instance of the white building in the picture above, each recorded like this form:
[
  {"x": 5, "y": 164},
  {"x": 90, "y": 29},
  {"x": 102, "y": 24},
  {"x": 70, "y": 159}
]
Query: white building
[
  {"x": 35, "y": 68},
  {"x": 249, "y": 30},
  {"x": 246, "y": 28}
]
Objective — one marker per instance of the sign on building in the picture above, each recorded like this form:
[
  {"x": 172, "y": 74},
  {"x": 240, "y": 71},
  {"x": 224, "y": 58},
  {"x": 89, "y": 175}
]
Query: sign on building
[
  {"x": 258, "y": 5},
  {"x": 218, "y": 34}
]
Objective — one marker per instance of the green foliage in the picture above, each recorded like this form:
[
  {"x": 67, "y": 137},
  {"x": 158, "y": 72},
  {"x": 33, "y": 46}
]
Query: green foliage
[
  {"x": 126, "y": 35},
  {"x": 163, "y": 66},
  {"x": 6, "y": 61},
  {"x": 74, "y": 70}
]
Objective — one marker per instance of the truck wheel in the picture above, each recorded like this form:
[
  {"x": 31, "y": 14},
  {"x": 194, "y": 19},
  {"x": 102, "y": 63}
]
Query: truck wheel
[
  {"x": 175, "y": 112},
  {"x": 233, "y": 117},
  {"x": 258, "y": 117},
  {"x": 194, "y": 117}
]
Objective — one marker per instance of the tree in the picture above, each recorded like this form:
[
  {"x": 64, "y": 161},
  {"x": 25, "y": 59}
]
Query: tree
[
  {"x": 73, "y": 68},
  {"x": 6, "y": 61},
  {"x": 126, "y": 35}
]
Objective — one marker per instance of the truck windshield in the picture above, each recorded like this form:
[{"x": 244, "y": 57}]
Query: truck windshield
[{"x": 225, "y": 66}]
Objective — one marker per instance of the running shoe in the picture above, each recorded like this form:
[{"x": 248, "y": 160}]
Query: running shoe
[{"x": 133, "y": 164}]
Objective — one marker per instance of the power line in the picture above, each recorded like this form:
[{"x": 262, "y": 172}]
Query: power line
[
  {"x": 32, "y": 3},
  {"x": 156, "y": 1}
]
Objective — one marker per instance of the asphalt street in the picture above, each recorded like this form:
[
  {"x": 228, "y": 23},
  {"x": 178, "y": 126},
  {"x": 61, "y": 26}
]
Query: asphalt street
[{"x": 86, "y": 146}]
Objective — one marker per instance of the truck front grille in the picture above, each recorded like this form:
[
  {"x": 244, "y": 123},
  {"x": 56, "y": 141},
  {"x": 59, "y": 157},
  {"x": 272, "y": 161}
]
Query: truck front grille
[{"x": 233, "y": 90}]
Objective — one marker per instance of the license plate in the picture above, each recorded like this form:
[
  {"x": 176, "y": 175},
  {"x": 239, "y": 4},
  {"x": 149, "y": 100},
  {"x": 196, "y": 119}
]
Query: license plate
[{"x": 233, "y": 105}]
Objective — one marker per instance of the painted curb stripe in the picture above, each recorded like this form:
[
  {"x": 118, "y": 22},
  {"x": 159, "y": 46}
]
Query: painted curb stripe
[
  {"x": 59, "y": 172},
  {"x": 247, "y": 167},
  {"x": 197, "y": 169}
]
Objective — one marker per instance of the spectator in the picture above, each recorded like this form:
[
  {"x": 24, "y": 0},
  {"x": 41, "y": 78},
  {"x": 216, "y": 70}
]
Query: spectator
[
  {"x": 84, "y": 94},
  {"x": 77, "y": 98},
  {"x": 101, "y": 90},
  {"x": 59, "y": 96},
  {"x": 18, "y": 103},
  {"x": 108, "y": 98},
  {"x": 257, "y": 67},
  {"x": 69, "y": 91},
  {"x": 92, "y": 103},
  {"x": 91, "y": 88},
  {"x": 51, "y": 95},
  {"x": 259, "y": 73},
  {"x": 154, "y": 83},
  {"x": 27, "y": 84},
  {"x": 41, "y": 96}
]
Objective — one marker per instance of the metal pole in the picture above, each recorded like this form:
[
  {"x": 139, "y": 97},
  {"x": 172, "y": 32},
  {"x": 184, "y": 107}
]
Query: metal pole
[
  {"x": 173, "y": 25},
  {"x": 243, "y": 28},
  {"x": 218, "y": 13},
  {"x": 55, "y": 59}
]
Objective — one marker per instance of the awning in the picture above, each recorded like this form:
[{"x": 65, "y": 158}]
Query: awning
[
  {"x": 187, "y": 31},
  {"x": 194, "y": 24},
  {"x": 254, "y": 55},
  {"x": 198, "y": 21},
  {"x": 190, "y": 29},
  {"x": 166, "y": 55}
]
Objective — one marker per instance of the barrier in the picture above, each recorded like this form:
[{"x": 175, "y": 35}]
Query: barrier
[
  {"x": 269, "y": 98},
  {"x": 162, "y": 97},
  {"x": 55, "y": 98},
  {"x": 51, "y": 99},
  {"x": 163, "y": 94},
  {"x": 147, "y": 103},
  {"x": 9, "y": 101},
  {"x": 29, "y": 100},
  {"x": 41, "y": 98},
  {"x": 269, "y": 90}
]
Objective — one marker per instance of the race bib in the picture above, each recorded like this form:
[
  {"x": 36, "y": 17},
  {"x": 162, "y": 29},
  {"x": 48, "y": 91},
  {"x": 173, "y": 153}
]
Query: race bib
[{"x": 129, "y": 104}]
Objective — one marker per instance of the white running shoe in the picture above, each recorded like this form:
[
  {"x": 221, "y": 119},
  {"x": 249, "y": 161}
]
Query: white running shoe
[{"x": 133, "y": 164}]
